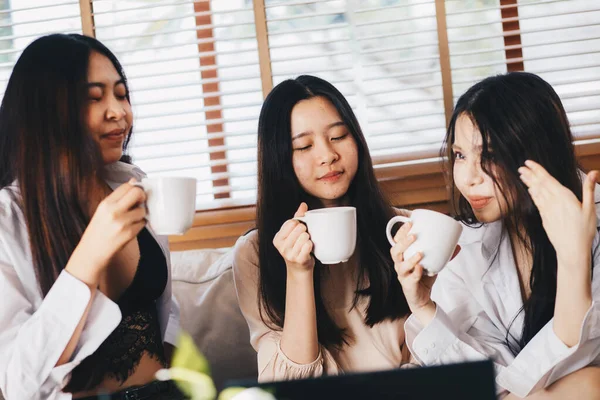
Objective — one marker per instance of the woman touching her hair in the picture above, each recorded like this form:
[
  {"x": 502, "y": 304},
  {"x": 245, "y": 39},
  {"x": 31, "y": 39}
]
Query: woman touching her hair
[{"x": 524, "y": 290}]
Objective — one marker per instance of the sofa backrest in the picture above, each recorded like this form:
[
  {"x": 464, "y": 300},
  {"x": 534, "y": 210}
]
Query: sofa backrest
[{"x": 203, "y": 286}]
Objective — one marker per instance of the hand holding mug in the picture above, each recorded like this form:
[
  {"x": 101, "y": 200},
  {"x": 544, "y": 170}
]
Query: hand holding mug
[
  {"x": 332, "y": 231},
  {"x": 170, "y": 203},
  {"x": 420, "y": 249},
  {"x": 435, "y": 237},
  {"x": 416, "y": 285},
  {"x": 117, "y": 220},
  {"x": 294, "y": 244}
]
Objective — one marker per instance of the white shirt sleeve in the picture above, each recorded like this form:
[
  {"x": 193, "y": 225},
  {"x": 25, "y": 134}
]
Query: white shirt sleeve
[
  {"x": 32, "y": 340},
  {"x": 462, "y": 331},
  {"x": 546, "y": 358}
]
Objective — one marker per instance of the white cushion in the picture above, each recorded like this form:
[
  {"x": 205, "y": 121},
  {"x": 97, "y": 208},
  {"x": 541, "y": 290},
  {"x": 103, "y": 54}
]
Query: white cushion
[
  {"x": 203, "y": 286},
  {"x": 197, "y": 265}
]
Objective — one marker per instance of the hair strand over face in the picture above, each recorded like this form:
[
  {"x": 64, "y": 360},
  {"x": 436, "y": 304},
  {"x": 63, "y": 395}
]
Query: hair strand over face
[{"x": 520, "y": 117}]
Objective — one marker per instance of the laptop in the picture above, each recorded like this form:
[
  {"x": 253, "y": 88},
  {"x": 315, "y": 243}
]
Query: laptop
[{"x": 465, "y": 381}]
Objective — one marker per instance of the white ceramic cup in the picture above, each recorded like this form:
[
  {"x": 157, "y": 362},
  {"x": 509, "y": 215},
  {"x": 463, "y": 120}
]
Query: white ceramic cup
[
  {"x": 170, "y": 203},
  {"x": 333, "y": 233},
  {"x": 436, "y": 238}
]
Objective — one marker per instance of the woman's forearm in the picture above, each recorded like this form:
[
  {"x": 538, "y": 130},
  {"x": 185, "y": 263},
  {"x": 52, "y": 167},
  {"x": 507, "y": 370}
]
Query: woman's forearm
[
  {"x": 573, "y": 297},
  {"x": 299, "y": 340}
]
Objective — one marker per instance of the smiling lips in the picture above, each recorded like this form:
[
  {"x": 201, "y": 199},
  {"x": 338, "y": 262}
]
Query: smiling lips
[
  {"x": 479, "y": 202},
  {"x": 331, "y": 176},
  {"x": 116, "y": 135}
]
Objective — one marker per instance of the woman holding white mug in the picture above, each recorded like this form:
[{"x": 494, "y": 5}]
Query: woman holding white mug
[
  {"x": 521, "y": 290},
  {"x": 308, "y": 319},
  {"x": 87, "y": 309}
]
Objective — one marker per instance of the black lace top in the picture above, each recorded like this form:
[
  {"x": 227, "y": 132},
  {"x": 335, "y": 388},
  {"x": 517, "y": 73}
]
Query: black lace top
[{"x": 139, "y": 329}]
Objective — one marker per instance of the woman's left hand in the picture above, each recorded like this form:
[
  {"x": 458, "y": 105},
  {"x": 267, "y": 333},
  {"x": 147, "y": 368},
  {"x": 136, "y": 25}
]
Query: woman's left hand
[{"x": 569, "y": 223}]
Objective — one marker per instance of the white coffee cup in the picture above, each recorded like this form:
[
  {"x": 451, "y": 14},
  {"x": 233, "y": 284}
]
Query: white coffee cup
[
  {"x": 333, "y": 233},
  {"x": 436, "y": 238},
  {"x": 170, "y": 203}
]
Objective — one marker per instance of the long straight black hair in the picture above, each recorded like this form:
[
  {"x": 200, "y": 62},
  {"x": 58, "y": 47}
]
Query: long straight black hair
[
  {"x": 520, "y": 117},
  {"x": 45, "y": 146},
  {"x": 280, "y": 194}
]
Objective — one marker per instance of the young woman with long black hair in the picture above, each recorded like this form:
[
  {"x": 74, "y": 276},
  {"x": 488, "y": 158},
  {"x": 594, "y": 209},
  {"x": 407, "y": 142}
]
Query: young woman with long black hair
[
  {"x": 524, "y": 289},
  {"x": 307, "y": 319},
  {"x": 86, "y": 304}
]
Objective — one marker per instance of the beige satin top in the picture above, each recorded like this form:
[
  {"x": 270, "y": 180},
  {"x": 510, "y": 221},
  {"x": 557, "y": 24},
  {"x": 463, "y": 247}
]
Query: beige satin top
[{"x": 378, "y": 348}]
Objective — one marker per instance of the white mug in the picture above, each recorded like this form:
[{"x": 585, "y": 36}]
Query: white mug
[
  {"x": 333, "y": 233},
  {"x": 170, "y": 203},
  {"x": 436, "y": 238}
]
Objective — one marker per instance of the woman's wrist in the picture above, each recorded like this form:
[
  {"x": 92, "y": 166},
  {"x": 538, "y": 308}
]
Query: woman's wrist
[
  {"x": 425, "y": 313},
  {"x": 575, "y": 264},
  {"x": 300, "y": 276},
  {"x": 85, "y": 267}
]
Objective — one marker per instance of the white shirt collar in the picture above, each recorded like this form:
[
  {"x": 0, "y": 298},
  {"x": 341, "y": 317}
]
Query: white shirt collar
[{"x": 119, "y": 172}]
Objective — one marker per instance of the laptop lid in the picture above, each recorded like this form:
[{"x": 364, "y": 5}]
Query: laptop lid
[{"x": 465, "y": 381}]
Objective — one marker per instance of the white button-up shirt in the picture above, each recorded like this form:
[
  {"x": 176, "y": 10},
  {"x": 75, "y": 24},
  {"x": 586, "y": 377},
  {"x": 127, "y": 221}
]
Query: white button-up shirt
[
  {"x": 478, "y": 297},
  {"x": 35, "y": 330}
]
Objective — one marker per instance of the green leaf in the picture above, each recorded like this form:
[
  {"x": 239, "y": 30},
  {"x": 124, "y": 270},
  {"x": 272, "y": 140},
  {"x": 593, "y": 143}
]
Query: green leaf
[
  {"x": 187, "y": 356},
  {"x": 196, "y": 385}
]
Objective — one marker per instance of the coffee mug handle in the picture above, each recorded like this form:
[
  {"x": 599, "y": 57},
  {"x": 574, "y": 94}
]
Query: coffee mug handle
[
  {"x": 393, "y": 221},
  {"x": 301, "y": 219}
]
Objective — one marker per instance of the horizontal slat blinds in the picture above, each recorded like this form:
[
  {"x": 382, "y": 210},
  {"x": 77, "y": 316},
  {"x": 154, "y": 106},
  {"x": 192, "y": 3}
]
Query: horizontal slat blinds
[
  {"x": 199, "y": 71},
  {"x": 557, "y": 39},
  {"x": 22, "y": 21},
  {"x": 382, "y": 55},
  {"x": 561, "y": 42},
  {"x": 196, "y": 89}
]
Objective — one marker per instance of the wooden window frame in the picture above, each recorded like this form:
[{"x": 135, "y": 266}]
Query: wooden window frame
[
  {"x": 419, "y": 183},
  {"x": 204, "y": 19}
]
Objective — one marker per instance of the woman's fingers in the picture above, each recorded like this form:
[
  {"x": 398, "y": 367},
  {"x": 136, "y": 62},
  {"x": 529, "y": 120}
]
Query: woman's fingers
[
  {"x": 297, "y": 246},
  {"x": 403, "y": 241},
  {"x": 137, "y": 214},
  {"x": 284, "y": 232},
  {"x": 534, "y": 175},
  {"x": 537, "y": 190},
  {"x": 298, "y": 230},
  {"x": 119, "y": 192},
  {"x": 403, "y": 231},
  {"x": 539, "y": 173},
  {"x": 134, "y": 197},
  {"x": 305, "y": 250},
  {"x": 302, "y": 209},
  {"x": 417, "y": 273},
  {"x": 405, "y": 268}
]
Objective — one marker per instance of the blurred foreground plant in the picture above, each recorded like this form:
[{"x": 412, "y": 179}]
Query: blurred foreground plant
[{"x": 191, "y": 372}]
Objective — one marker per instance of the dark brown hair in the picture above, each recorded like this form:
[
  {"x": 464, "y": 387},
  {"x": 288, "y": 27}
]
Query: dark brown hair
[
  {"x": 520, "y": 117},
  {"x": 46, "y": 149},
  {"x": 280, "y": 194}
]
